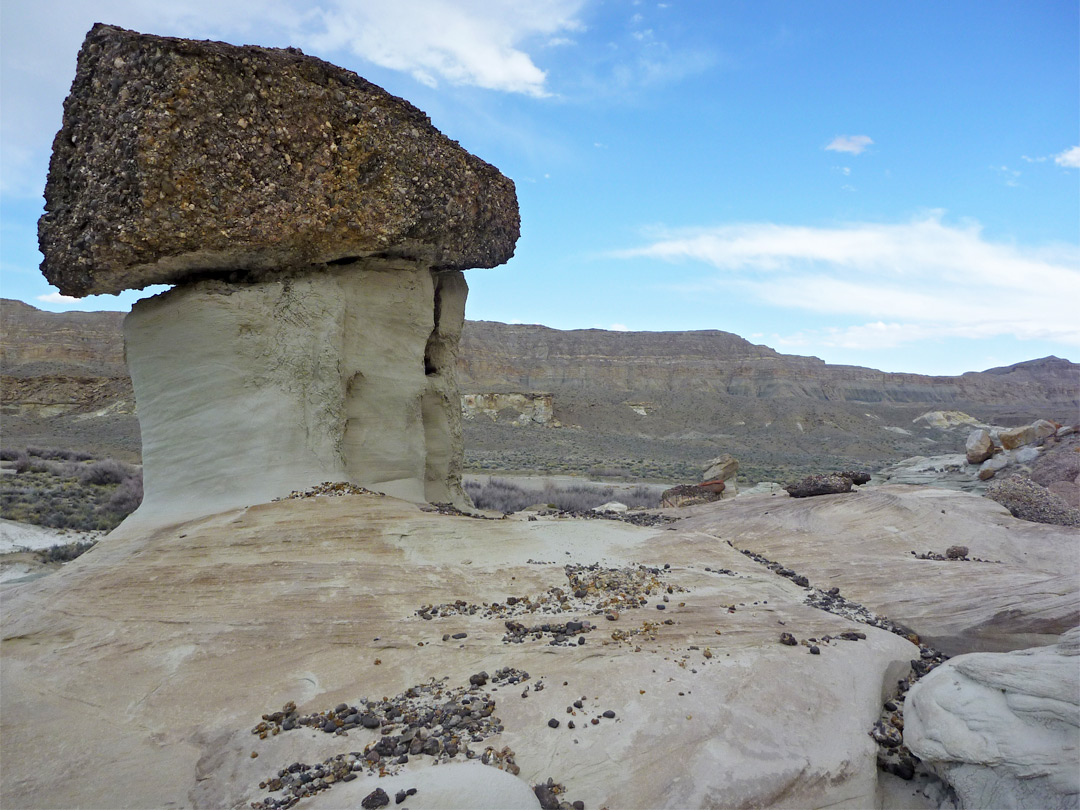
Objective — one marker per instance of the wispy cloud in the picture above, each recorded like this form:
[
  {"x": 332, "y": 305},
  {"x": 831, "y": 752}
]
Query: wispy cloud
[
  {"x": 888, "y": 284},
  {"x": 1069, "y": 158},
  {"x": 853, "y": 144},
  {"x": 477, "y": 43},
  {"x": 57, "y": 298}
]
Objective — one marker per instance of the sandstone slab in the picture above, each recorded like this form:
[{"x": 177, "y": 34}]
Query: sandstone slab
[
  {"x": 1023, "y": 593},
  {"x": 139, "y": 670},
  {"x": 178, "y": 158},
  {"x": 1003, "y": 729}
]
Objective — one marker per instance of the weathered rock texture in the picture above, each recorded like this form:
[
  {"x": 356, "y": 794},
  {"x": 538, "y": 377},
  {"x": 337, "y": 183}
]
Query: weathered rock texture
[
  {"x": 723, "y": 468},
  {"x": 832, "y": 484},
  {"x": 179, "y": 157},
  {"x": 979, "y": 446},
  {"x": 316, "y": 227},
  {"x": 190, "y": 639},
  {"x": 1003, "y": 729},
  {"x": 1023, "y": 594},
  {"x": 248, "y": 392},
  {"x": 516, "y": 408}
]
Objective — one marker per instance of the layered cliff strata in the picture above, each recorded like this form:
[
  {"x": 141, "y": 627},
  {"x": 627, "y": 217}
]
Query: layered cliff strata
[{"x": 316, "y": 228}]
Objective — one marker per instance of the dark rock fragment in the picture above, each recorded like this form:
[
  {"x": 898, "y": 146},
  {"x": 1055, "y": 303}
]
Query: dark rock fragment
[{"x": 377, "y": 798}]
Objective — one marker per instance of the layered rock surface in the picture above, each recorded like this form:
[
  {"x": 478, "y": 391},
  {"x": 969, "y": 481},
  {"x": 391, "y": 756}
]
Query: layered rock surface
[
  {"x": 1003, "y": 728},
  {"x": 681, "y": 429},
  {"x": 1018, "y": 587},
  {"x": 189, "y": 634}
]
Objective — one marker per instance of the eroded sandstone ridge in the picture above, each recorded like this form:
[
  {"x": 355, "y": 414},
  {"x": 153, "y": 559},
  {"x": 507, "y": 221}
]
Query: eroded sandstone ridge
[{"x": 316, "y": 228}]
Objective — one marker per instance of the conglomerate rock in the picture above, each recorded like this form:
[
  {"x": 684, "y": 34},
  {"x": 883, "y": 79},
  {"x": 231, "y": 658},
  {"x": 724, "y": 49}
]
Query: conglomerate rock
[
  {"x": 1030, "y": 501},
  {"x": 812, "y": 485},
  {"x": 178, "y": 158}
]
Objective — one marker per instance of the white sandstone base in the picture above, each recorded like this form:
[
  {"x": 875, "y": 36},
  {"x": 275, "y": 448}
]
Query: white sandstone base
[{"x": 248, "y": 392}]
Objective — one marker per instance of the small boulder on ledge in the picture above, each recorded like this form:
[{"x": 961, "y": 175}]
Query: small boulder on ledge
[{"x": 832, "y": 484}]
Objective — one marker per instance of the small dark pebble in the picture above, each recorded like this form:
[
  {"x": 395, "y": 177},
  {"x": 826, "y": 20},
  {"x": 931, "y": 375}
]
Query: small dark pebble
[
  {"x": 814, "y": 649},
  {"x": 578, "y": 704},
  {"x": 377, "y": 798},
  {"x": 609, "y": 714},
  {"x": 661, "y": 606},
  {"x": 578, "y": 805},
  {"x": 547, "y": 798},
  {"x": 400, "y": 796},
  {"x": 788, "y": 639},
  {"x": 570, "y": 724},
  {"x": 460, "y": 635},
  {"x": 553, "y": 723}
]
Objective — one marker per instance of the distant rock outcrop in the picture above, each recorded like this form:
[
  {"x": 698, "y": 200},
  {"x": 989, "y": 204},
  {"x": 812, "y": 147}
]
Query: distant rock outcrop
[
  {"x": 521, "y": 408},
  {"x": 317, "y": 228}
]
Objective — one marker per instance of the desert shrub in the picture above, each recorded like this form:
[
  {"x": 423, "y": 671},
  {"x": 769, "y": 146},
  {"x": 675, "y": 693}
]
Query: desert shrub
[
  {"x": 54, "y": 453},
  {"x": 107, "y": 471},
  {"x": 65, "y": 492},
  {"x": 66, "y": 552},
  {"x": 127, "y": 497},
  {"x": 9, "y": 453},
  {"x": 500, "y": 495}
]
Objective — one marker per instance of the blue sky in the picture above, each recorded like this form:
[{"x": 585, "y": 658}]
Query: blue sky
[{"x": 885, "y": 184}]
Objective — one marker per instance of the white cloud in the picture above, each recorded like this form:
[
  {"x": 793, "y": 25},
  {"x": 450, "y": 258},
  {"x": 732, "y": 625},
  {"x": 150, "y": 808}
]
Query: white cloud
[
  {"x": 619, "y": 327},
  {"x": 483, "y": 43},
  {"x": 855, "y": 144},
  {"x": 478, "y": 43},
  {"x": 1069, "y": 158},
  {"x": 886, "y": 285},
  {"x": 58, "y": 298}
]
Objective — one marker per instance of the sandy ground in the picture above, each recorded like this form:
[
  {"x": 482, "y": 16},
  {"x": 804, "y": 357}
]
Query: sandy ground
[{"x": 18, "y": 541}]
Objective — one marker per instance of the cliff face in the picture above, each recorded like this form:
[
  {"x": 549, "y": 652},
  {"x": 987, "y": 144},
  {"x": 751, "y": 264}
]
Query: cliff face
[
  {"x": 656, "y": 403},
  {"x": 86, "y": 344},
  {"x": 498, "y": 356}
]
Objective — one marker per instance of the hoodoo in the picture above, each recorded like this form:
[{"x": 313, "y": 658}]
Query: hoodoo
[{"x": 315, "y": 228}]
